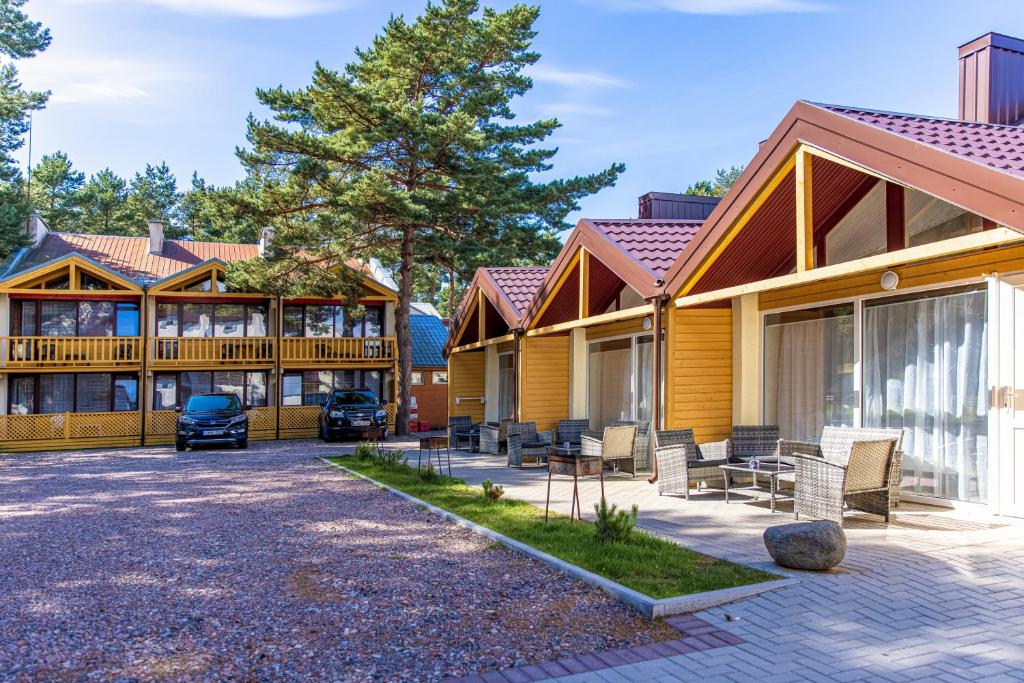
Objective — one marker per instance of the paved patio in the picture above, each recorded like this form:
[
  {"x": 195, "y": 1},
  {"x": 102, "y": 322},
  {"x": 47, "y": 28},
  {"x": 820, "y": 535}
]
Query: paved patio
[{"x": 935, "y": 595}]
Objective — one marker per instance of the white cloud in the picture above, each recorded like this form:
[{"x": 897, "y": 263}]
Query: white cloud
[
  {"x": 78, "y": 79},
  {"x": 260, "y": 9},
  {"x": 728, "y": 7},
  {"x": 579, "y": 80},
  {"x": 565, "y": 110}
]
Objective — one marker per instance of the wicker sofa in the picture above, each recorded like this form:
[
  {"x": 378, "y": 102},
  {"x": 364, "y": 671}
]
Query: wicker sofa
[
  {"x": 857, "y": 467},
  {"x": 494, "y": 436},
  {"x": 681, "y": 461}
]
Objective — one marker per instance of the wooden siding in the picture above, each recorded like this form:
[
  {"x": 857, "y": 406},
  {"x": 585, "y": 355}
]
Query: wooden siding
[
  {"x": 466, "y": 380},
  {"x": 544, "y": 384},
  {"x": 947, "y": 270},
  {"x": 431, "y": 399},
  {"x": 698, "y": 372},
  {"x": 616, "y": 329}
]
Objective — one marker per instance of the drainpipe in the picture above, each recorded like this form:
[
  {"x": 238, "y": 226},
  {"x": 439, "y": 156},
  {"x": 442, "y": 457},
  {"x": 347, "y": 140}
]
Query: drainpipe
[
  {"x": 515, "y": 374},
  {"x": 656, "y": 302},
  {"x": 144, "y": 365}
]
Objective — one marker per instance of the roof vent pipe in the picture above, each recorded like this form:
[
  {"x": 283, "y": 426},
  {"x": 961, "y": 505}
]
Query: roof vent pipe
[
  {"x": 992, "y": 80},
  {"x": 156, "y": 236},
  {"x": 36, "y": 229},
  {"x": 266, "y": 237}
]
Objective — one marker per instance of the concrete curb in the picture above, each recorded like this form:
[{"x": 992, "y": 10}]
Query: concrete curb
[{"x": 646, "y": 605}]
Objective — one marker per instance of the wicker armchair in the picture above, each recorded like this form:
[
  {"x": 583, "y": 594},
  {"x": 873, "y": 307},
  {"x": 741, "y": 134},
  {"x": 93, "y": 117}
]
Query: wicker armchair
[
  {"x": 570, "y": 431},
  {"x": 493, "y": 437},
  {"x": 615, "y": 446},
  {"x": 458, "y": 424},
  {"x": 641, "y": 444},
  {"x": 834, "y": 446},
  {"x": 681, "y": 461},
  {"x": 525, "y": 442}
]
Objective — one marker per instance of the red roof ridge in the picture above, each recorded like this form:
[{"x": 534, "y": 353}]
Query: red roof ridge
[{"x": 911, "y": 115}]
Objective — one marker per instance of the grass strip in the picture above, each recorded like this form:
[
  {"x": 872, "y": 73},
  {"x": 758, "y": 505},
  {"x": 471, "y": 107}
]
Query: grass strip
[{"x": 648, "y": 564}]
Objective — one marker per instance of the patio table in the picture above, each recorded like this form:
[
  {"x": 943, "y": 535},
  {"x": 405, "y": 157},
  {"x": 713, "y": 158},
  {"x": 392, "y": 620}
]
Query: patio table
[
  {"x": 472, "y": 436},
  {"x": 771, "y": 470},
  {"x": 563, "y": 460}
]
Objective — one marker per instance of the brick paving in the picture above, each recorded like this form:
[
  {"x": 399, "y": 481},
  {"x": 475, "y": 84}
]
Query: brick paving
[{"x": 935, "y": 595}]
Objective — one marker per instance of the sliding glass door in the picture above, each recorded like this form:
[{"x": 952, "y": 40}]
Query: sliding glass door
[
  {"x": 621, "y": 380},
  {"x": 925, "y": 372},
  {"x": 506, "y": 385},
  {"x": 808, "y": 371},
  {"x": 923, "y": 366}
]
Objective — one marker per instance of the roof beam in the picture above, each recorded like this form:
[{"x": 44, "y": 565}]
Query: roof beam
[
  {"x": 481, "y": 344},
  {"x": 614, "y": 316},
  {"x": 804, "y": 211}
]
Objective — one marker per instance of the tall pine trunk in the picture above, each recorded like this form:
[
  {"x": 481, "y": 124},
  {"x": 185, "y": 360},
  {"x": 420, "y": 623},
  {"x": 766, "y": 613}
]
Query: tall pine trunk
[{"x": 402, "y": 331}]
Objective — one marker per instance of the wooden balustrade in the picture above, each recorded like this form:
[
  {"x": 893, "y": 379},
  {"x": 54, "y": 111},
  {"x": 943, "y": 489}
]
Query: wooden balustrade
[
  {"x": 306, "y": 351},
  {"x": 170, "y": 352},
  {"x": 70, "y": 430},
  {"x": 70, "y": 352}
]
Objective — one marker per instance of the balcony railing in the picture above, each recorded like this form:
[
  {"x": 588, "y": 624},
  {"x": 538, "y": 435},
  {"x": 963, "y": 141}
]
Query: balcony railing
[
  {"x": 43, "y": 352},
  {"x": 297, "y": 351},
  {"x": 180, "y": 351}
]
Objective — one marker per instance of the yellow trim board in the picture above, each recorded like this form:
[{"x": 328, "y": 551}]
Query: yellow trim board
[
  {"x": 482, "y": 344},
  {"x": 614, "y": 316},
  {"x": 956, "y": 245},
  {"x": 74, "y": 265}
]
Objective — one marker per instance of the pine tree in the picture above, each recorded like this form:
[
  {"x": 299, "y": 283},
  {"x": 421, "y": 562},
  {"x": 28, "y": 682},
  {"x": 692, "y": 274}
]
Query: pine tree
[
  {"x": 20, "y": 38},
  {"x": 56, "y": 191},
  {"x": 411, "y": 140},
  {"x": 104, "y": 205},
  {"x": 717, "y": 186},
  {"x": 153, "y": 195}
]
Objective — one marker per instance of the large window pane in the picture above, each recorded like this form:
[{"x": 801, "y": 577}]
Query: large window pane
[
  {"x": 126, "y": 392},
  {"x": 861, "y": 232},
  {"x": 293, "y": 321},
  {"x": 930, "y": 219},
  {"x": 506, "y": 385},
  {"x": 925, "y": 372},
  {"x": 316, "y": 385},
  {"x": 319, "y": 321},
  {"x": 808, "y": 371},
  {"x": 197, "y": 321},
  {"x": 95, "y": 318},
  {"x": 291, "y": 389},
  {"x": 195, "y": 383},
  {"x": 93, "y": 393},
  {"x": 373, "y": 323},
  {"x": 23, "y": 395},
  {"x": 347, "y": 379},
  {"x": 341, "y": 322},
  {"x": 644, "y": 379},
  {"x": 167, "y": 320},
  {"x": 57, "y": 318},
  {"x": 611, "y": 385},
  {"x": 127, "y": 319},
  {"x": 256, "y": 320},
  {"x": 27, "y": 319},
  {"x": 56, "y": 393},
  {"x": 256, "y": 388},
  {"x": 229, "y": 320},
  {"x": 165, "y": 392},
  {"x": 232, "y": 382}
]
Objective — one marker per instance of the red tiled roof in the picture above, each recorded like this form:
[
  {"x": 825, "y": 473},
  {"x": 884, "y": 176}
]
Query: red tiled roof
[
  {"x": 518, "y": 284},
  {"x": 654, "y": 243},
  {"x": 995, "y": 146},
  {"x": 130, "y": 255}
]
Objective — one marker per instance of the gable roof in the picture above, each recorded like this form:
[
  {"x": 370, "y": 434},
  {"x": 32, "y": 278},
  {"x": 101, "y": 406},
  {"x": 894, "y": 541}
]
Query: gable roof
[
  {"x": 509, "y": 290},
  {"x": 639, "y": 251},
  {"x": 23, "y": 271},
  {"x": 429, "y": 336},
  {"x": 973, "y": 166}
]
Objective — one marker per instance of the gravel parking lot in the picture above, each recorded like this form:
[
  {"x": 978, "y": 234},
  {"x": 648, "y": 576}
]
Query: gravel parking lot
[{"x": 146, "y": 564}]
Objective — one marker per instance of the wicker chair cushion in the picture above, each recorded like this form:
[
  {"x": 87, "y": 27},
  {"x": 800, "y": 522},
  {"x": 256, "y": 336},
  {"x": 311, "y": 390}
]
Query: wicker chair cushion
[{"x": 618, "y": 442}]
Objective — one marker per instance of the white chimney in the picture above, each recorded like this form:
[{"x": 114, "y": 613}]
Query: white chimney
[
  {"x": 37, "y": 229},
  {"x": 156, "y": 236},
  {"x": 266, "y": 237}
]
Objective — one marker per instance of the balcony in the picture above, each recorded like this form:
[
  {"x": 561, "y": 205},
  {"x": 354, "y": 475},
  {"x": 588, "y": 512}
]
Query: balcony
[
  {"x": 337, "y": 351},
  {"x": 70, "y": 352},
  {"x": 202, "y": 352}
]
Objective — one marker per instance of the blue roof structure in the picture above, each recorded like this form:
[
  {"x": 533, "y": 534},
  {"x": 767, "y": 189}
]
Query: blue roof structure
[{"x": 429, "y": 336}]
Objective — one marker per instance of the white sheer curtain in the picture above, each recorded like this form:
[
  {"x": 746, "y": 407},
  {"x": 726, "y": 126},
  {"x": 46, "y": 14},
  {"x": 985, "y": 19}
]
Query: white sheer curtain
[
  {"x": 611, "y": 382},
  {"x": 506, "y": 380},
  {"x": 925, "y": 371}
]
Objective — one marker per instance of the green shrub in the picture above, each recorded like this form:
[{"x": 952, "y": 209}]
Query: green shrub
[
  {"x": 365, "y": 451},
  {"x": 492, "y": 491},
  {"x": 613, "y": 524},
  {"x": 392, "y": 460},
  {"x": 428, "y": 475}
]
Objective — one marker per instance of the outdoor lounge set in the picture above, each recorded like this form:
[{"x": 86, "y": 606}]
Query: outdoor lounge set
[{"x": 855, "y": 468}]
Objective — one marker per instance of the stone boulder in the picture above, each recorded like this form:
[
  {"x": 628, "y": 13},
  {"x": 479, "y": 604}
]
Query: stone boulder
[{"x": 816, "y": 546}]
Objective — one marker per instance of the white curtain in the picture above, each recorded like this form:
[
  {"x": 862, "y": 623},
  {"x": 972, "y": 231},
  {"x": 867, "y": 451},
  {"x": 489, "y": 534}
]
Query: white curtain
[
  {"x": 925, "y": 371},
  {"x": 644, "y": 379},
  {"x": 611, "y": 382}
]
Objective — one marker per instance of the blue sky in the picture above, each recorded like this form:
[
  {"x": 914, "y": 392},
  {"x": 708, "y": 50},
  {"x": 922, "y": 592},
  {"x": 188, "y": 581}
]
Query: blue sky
[{"x": 672, "y": 88}]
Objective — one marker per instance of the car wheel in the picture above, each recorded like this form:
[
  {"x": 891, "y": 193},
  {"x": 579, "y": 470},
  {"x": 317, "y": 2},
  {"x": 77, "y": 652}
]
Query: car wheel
[
  {"x": 384, "y": 434},
  {"x": 243, "y": 443},
  {"x": 179, "y": 446},
  {"x": 325, "y": 434}
]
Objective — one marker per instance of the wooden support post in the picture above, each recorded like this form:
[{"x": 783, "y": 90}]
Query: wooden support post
[
  {"x": 584, "y": 309},
  {"x": 656, "y": 405},
  {"x": 481, "y": 311},
  {"x": 804, "y": 214},
  {"x": 516, "y": 345},
  {"x": 895, "y": 218}
]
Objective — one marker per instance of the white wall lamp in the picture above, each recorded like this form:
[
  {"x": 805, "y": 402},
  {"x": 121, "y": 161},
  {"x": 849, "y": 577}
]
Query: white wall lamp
[{"x": 890, "y": 280}]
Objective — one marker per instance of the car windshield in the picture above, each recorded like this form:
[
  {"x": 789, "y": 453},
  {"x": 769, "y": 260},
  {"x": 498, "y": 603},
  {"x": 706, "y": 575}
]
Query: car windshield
[
  {"x": 354, "y": 398},
  {"x": 203, "y": 404}
]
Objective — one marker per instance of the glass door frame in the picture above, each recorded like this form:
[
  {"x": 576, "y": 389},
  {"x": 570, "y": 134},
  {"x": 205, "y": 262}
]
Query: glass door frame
[{"x": 633, "y": 358}]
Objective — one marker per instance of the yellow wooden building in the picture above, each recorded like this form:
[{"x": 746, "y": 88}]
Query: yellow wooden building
[{"x": 103, "y": 336}]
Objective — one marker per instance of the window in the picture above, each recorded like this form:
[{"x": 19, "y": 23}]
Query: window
[
  {"x": 58, "y": 318},
  {"x": 293, "y": 321},
  {"x": 56, "y": 393},
  {"x": 611, "y": 381},
  {"x": 95, "y": 319},
  {"x": 291, "y": 389},
  {"x": 59, "y": 282},
  {"x": 312, "y": 387},
  {"x": 861, "y": 232},
  {"x": 165, "y": 391},
  {"x": 197, "y": 320},
  {"x": 439, "y": 377},
  {"x": 126, "y": 392},
  {"x": 23, "y": 396},
  {"x": 93, "y": 393},
  {"x": 127, "y": 317},
  {"x": 808, "y": 371},
  {"x": 250, "y": 387},
  {"x": 86, "y": 392},
  {"x": 69, "y": 318},
  {"x": 319, "y": 321},
  {"x": 229, "y": 320},
  {"x": 256, "y": 388},
  {"x": 506, "y": 385},
  {"x": 230, "y": 382},
  {"x": 929, "y": 219},
  {"x": 331, "y": 320},
  {"x": 90, "y": 282},
  {"x": 417, "y": 379},
  {"x": 256, "y": 320},
  {"x": 212, "y": 320},
  {"x": 167, "y": 320},
  {"x": 26, "y": 323}
]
